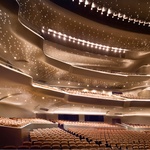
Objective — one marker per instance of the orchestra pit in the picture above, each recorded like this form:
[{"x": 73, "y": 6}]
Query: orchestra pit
[{"x": 75, "y": 74}]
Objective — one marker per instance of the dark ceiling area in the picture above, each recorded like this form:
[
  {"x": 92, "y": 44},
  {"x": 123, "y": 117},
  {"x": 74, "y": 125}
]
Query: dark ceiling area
[{"x": 127, "y": 8}]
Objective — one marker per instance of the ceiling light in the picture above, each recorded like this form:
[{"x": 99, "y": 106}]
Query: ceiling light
[
  {"x": 86, "y": 3},
  {"x": 93, "y": 5},
  {"x": 109, "y": 12}
]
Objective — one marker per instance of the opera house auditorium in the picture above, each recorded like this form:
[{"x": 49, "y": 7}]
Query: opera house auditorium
[{"x": 75, "y": 74}]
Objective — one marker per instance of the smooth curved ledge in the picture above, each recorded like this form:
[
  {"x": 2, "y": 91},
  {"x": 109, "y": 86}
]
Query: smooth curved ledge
[
  {"x": 29, "y": 26},
  {"x": 20, "y": 77},
  {"x": 90, "y": 61},
  {"x": 28, "y": 124},
  {"x": 82, "y": 71}
]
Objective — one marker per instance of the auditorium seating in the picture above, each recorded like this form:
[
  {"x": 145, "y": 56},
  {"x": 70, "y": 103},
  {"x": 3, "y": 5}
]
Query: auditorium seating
[
  {"x": 58, "y": 138},
  {"x": 19, "y": 122},
  {"x": 114, "y": 138},
  {"x": 100, "y": 138},
  {"x": 84, "y": 135},
  {"x": 88, "y": 124}
]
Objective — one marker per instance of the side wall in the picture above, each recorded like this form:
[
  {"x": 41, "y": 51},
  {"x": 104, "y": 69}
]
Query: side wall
[{"x": 129, "y": 119}]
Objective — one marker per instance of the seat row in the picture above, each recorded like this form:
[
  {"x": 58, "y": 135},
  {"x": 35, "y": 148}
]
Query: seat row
[{"x": 89, "y": 124}]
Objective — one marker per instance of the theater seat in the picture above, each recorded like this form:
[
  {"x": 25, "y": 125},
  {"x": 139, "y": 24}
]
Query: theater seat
[
  {"x": 35, "y": 147},
  {"x": 9, "y": 147},
  {"x": 23, "y": 147},
  {"x": 45, "y": 147}
]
